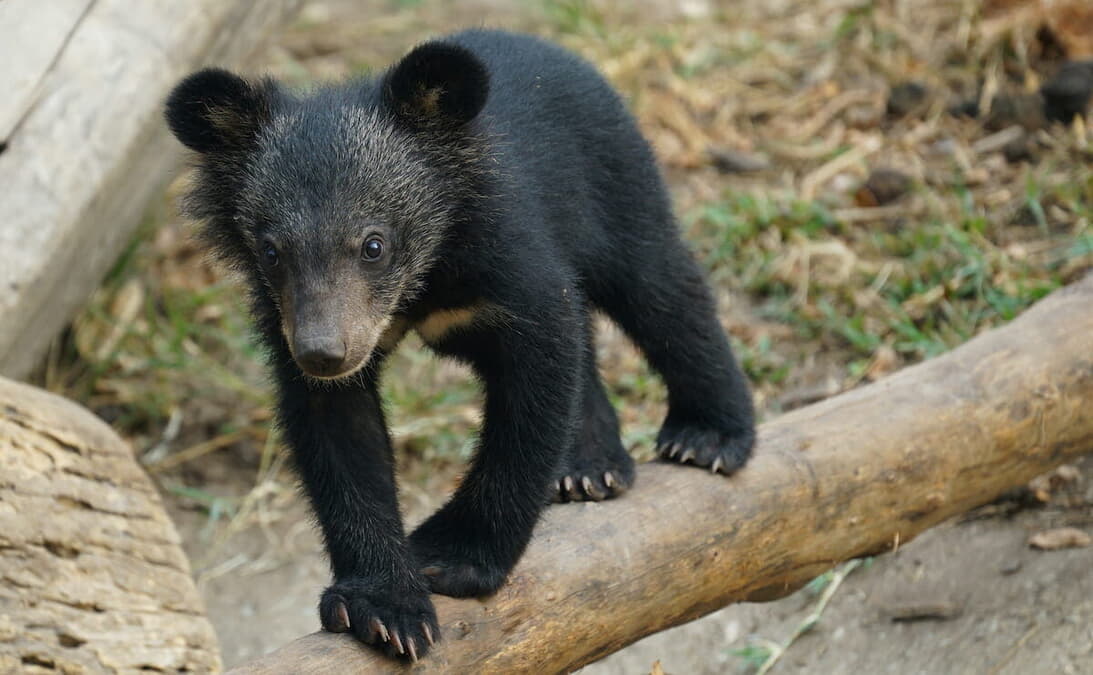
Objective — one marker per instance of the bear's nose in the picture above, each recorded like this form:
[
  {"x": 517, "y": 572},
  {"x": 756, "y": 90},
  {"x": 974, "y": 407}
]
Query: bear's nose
[{"x": 321, "y": 356}]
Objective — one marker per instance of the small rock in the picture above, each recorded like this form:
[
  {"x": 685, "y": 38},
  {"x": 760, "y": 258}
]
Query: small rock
[
  {"x": 731, "y": 161},
  {"x": 1063, "y": 537},
  {"x": 926, "y": 610},
  {"x": 1067, "y": 94},
  {"x": 906, "y": 98},
  {"x": 1066, "y": 473},
  {"x": 844, "y": 181},
  {"x": 1045, "y": 485},
  {"x": 1021, "y": 149},
  {"x": 883, "y": 186},
  {"x": 863, "y": 116},
  {"x": 1011, "y": 567},
  {"x": 945, "y": 147},
  {"x": 1024, "y": 109},
  {"x": 964, "y": 108}
]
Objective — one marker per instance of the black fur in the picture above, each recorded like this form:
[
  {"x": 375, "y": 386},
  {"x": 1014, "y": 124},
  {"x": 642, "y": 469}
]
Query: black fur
[
  {"x": 510, "y": 194},
  {"x": 214, "y": 110},
  {"x": 438, "y": 81}
]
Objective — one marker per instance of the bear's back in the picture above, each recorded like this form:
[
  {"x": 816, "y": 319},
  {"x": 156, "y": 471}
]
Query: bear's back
[{"x": 568, "y": 144}]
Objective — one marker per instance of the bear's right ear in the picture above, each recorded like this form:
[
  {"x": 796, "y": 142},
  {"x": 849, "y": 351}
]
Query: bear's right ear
[{"x": 214, "y": 110}]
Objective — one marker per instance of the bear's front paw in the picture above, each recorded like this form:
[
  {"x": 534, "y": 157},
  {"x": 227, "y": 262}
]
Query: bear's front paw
[
  {"x": 456, "y": 568},
  {"x": 721, "y": 452},
  {"x": 399, "y": 623}
]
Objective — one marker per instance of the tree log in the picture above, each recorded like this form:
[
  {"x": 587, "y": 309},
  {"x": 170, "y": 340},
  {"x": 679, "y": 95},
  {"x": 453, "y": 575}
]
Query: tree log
[
  {"x": 92, "y": 575},
  {"x": 83, "y": 145},
  {"x": 858, "y": 474}
]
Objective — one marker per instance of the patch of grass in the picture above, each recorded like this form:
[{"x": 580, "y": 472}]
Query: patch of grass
[
  {"x": 752, "y": 655},
  {"x": 853, "y": 20},
  {"x": 760, "y": 655},
  {"x": 761, "y": 361},
  {"x": 576, "y": 17},
  {"x": 918, "y": 287},
  {"x": 218, "y": 509}
]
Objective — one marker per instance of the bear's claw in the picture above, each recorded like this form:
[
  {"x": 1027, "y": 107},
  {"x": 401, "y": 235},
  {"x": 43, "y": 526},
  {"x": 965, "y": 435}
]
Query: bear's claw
[
  {"x": 718, "y": 451},
  {"x": 594, "y": 488},
  {"x": 398, "y": 624}
]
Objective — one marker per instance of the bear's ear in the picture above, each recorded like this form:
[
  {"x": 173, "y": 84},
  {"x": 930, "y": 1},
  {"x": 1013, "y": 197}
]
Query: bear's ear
[
  {"x": 214, "y": 110},
  {"x": 438, "y": 83}
]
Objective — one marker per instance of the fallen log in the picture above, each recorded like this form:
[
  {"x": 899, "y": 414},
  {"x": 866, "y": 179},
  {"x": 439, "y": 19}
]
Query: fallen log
[
  {"x": 92, "y": 574},
  {"x": 855, "y": 475},
  {"x": 83, "y": 146}
]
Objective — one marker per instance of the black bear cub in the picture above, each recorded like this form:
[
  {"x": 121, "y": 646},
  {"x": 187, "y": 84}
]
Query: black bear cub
[{"x": 488, "y": 191}]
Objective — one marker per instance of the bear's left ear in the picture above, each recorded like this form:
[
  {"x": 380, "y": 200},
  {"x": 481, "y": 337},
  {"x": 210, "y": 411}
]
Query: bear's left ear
[
  {"x": 438, "y": 83},
  {"x": 215, "y": 111}
]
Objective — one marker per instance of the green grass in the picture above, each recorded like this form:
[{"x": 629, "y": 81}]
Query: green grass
[
  {"x": 575, "y": 17},
  {"x": 919, "y": 288},
  {"x": 752, "y": 655}
]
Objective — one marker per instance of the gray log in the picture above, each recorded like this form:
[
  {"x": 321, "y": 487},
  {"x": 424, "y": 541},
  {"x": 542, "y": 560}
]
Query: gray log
[
  {"x": 84, "y": 146},
  {"x": 92, "y": 575}
]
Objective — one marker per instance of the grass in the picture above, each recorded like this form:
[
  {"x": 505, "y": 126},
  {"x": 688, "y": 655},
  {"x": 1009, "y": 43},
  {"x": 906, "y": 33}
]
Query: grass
[
  {"x": 759, "y": 655},
  {"x": 918, "y": 288}
]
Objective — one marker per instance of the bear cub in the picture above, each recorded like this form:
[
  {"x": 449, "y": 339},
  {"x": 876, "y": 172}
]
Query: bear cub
[{"x": 488, "y": 191}]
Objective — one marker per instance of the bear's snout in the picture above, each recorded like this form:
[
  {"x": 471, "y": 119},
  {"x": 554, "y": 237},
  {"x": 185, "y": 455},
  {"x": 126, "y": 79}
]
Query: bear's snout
[{"x": 321, "y": 355}]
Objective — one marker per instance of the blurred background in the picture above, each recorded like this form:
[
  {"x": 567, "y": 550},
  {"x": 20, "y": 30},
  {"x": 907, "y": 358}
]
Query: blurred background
[{"x": 867, "y": 184}]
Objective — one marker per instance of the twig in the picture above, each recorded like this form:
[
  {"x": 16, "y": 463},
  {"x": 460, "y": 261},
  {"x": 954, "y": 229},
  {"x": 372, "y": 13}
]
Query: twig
[
  {"x": 198, "y": 450},
  {"x": 812, "y": 183},
  {"x": 998, "y": 140},
  {"x": 813, "y": 618},
  {"x": 997, "y": 668}
]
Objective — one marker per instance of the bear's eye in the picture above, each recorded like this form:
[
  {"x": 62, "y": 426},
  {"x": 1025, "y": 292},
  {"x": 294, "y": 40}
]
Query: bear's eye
[
  {"x": 269, "y": 254},
  {"x": 373, "y": 248}
]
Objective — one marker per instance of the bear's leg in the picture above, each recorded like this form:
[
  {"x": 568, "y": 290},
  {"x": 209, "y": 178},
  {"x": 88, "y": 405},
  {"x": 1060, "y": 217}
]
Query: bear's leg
[
  {"x": 341, "y": 448},
  {"x": 532, "y": 368},
  {"x": 597, "y": 465},
  {"x": 668, "y": 311}
]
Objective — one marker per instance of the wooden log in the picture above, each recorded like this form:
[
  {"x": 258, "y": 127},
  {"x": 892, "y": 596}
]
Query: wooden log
[
  {"x": 92, "y": 574},
  {"x": 83, "y": 145},
  {"x": 855, "y": 475}
]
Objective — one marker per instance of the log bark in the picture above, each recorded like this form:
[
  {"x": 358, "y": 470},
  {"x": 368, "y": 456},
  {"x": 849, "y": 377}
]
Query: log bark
[
  {"x": 83, "y": 145},
  {"x": 92, "y": 574},
  {"x": 855, "y": 475}
]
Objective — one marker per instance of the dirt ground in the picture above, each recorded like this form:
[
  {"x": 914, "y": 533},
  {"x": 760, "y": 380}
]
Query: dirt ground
[{"x": 732, "y": 100}]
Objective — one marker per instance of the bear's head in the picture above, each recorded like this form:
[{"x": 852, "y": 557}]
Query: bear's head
[{"x": 335, "y": 204}]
